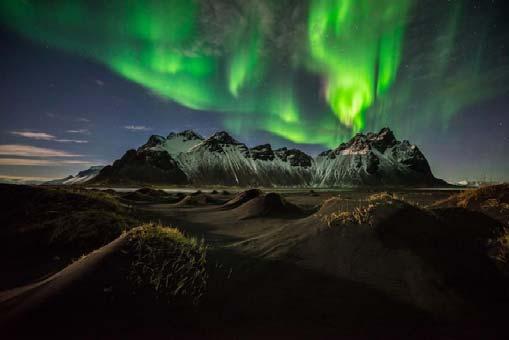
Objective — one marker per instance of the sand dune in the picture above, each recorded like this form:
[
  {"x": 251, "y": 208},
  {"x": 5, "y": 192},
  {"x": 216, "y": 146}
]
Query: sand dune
[
  {"x": 197, "y": 200},
  {"x": 241, "y": 198},
  {"x": 269, "y": 205},
  {"x": 18, "y": 301},
  {"x": 445, "y": 262}
]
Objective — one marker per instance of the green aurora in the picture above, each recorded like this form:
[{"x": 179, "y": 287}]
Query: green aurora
[{"x": 247, "y": 64}]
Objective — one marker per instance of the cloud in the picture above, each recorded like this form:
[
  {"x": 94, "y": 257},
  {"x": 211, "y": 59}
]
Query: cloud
[
  {"x": 82, "y": 131},
  {"x": 77, "y": 141},
  {"x": 34, "y": 135},
  {"x": 48, "y": 137},
  {"x": 99, "y": 82},
  {"x": 83, "y": 120},
  {"x": 137, "y": 128},
  {"x": 25, "y": 178},
  {"x": 32, "y": 151},
  {"x": 39, "y": 162}
]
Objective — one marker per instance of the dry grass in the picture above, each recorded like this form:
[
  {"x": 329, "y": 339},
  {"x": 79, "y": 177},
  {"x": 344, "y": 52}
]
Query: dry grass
[
  {"x": 382, "y": 196},
  {"x": 363, "y": 211},
  {"x": 359, "y": 215},
  {"x": 473, "y": 199},
  {"x": 168, "y": 263},
  {"x": 492, "y": 200}
]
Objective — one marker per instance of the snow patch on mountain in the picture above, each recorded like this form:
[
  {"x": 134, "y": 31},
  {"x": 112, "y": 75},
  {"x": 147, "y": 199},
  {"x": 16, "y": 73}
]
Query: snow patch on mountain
[
  {"x": 175, "y": 143},
  {"x": 80, "y": 178}
]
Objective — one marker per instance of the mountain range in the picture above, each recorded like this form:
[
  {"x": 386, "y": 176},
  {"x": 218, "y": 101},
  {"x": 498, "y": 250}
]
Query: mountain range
[{"x": 186, "y": 158}]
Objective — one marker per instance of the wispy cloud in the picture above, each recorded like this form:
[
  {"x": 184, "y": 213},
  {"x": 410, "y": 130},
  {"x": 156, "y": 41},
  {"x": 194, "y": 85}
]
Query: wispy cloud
[
  {"x": 39, "y": 162},
  {"x": 32, "y": 151},
  {"x": 137, "y": 128},
  {"x": 47, "y": 137},
  {"x": 83, "y": 120},
  {"x": 34, "y": 135},
  {"x": 25, "y": 178},
  {"x": 82, "y": 131},
  {"x": 77, "y": 141}
]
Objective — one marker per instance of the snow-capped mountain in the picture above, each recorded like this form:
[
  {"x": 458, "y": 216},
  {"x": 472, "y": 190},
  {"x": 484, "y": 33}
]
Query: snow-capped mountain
[
  {"x": 282, "y": 167},
  {"x": 79, "y": 178},
  {"x": 373, "y": 159},
  {"x": 222, "y": 160},
  {"x": 188, "y": 158}
]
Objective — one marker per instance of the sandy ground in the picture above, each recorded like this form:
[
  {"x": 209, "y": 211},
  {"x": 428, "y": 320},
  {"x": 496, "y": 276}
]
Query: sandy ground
[{"x": 254, "y": 290}]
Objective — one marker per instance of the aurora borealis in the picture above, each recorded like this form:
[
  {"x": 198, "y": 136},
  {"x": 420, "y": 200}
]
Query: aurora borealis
[{"x": 304, "y": 71}]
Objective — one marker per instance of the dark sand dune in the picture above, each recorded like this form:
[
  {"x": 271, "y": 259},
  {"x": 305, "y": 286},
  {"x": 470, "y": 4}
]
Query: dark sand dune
[
  {"x": 363, "y": 265},
  {"x": 437, "y": 260},
  {"x": 113, "y": 291},
  {"x": 149, "y": 195},
  {"x": 443, "y": 261},
  {"x": 17, "y": 302},
  {"x": 198, "y": 200},
  {"x": 44, "y": 229},
  {"x": 241, "y": 198},
  {"x": 91, "y": 299},
  {"x": 269, "y": 205}
]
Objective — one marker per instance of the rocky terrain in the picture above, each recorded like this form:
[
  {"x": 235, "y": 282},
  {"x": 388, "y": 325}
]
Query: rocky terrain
[
  {"x": 186, "y": 158},
  {"x": 142, "y": 166}
]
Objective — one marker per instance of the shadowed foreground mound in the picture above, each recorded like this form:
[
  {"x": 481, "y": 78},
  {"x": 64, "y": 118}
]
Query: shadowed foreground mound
[
  {"x": 492, "y": 200},
  {"x": 43, "y": 229},
  {"x": 151, "y": 269},
  {"x": 241, "y": 198},
  {"x": 445, "y": 261},
  {"x": 269, "y": 205}
]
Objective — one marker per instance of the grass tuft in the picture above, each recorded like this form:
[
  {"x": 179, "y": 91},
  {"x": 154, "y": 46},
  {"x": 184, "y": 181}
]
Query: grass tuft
[{"x": 168, "y": 263}]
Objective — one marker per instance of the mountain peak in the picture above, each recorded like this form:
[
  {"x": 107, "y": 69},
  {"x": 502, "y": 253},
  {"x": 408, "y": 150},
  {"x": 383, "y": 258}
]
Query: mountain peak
[
  {"x": 223, "y": 137},
  {"x": 263, "y": 152},
  {"x": 294, "y": 156},
  {"x": 362, "y": 143},
  {"x": 383, "y": 139},
  {"x": 186, "y": 134},
  {"x": 153, "y": 140}
]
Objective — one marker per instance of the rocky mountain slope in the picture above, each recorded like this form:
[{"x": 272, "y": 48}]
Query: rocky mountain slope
[
  {"x": 142, "y": 166},
  {"x": 188, "y": 158}
]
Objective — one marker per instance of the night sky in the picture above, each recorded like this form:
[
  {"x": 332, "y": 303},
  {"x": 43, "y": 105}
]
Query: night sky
[{"x": 83, "y": 81}]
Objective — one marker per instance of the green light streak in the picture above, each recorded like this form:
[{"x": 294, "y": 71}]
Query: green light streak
[
  {"x": 356, "y": 47},
  {"x": 247, "y": 63},
  {"x": 245, "y": 66}
]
